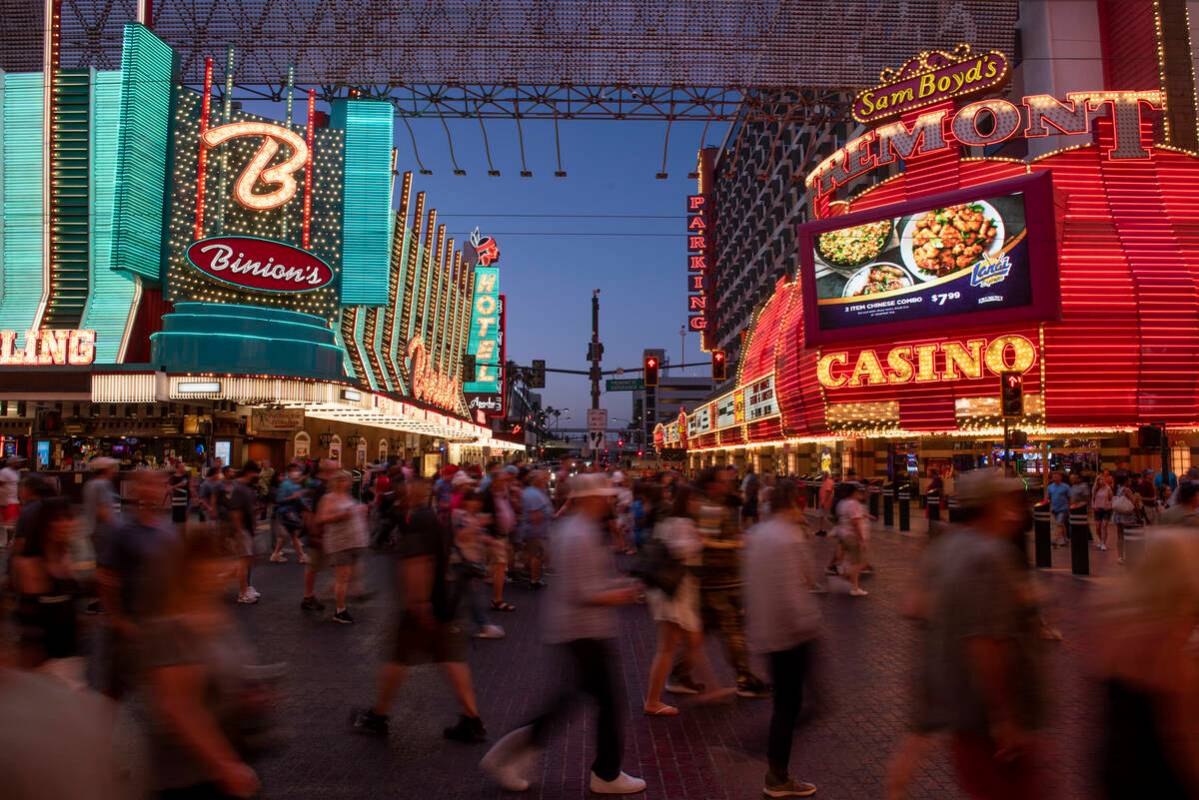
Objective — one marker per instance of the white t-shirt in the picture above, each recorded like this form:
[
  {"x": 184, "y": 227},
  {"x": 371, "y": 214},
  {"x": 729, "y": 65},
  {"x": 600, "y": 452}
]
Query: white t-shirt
[
  {"x": 8, "y": 486},
  {"x": 851, "y": 519}
]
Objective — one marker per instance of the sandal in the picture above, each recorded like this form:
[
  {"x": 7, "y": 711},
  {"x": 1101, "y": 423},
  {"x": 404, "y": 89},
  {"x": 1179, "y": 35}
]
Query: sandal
[
  {"x": 502, "y": 606},
  {"x": 661, "y": 710}
]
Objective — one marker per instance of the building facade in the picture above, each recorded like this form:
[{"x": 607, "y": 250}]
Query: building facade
[{"x": 182, "y": 278}]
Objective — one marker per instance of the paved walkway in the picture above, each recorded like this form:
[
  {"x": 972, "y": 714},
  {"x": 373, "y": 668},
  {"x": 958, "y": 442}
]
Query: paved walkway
[{"x": 702, "y": 754}]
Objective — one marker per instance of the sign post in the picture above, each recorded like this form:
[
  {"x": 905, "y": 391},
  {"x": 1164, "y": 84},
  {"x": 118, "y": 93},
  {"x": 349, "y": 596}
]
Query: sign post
[{"x": 597, "y": 419}]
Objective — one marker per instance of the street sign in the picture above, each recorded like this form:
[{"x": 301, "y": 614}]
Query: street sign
[
  {"x": 625, "y": 385},
  {"x": 595, "y": 440},
  {"x": 597, "y": 419}
]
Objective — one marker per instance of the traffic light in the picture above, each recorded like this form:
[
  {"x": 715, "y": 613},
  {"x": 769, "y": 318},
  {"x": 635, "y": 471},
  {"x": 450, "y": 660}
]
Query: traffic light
[
  {"x": 537, "y": 374},
  {"x": 651, "y": 371},
  {"x": 1012, "y": 396},
  {"x": 720, "y": 366}
]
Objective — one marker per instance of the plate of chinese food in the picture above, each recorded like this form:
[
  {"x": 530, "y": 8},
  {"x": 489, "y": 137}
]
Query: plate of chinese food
[
  {"x": 852, "y": 247},
  {"x": 877, "y": 278},
  {"x": 942, "y": 241}
]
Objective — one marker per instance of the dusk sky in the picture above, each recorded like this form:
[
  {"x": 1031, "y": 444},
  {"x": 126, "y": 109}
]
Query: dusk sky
[{"x": 550, "y": 264}]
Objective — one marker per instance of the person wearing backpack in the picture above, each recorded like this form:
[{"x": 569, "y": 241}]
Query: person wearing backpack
[{"x": 677, "y": 614}]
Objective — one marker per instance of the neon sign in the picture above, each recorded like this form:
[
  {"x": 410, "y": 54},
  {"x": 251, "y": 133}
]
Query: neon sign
[
  {"x": 1037, "y": 113},
  {"x": 485, "y": 394},
  {"x": 697, "y": 247},
  {"x": 933, "y": 362},
  {"x": 263, "y": 265},
  {"x": 259, "y": 169},
  {"x": 930, "y": 78},
  {"x": 47, "y": 347},
  {"x": 427, "y": 383}
]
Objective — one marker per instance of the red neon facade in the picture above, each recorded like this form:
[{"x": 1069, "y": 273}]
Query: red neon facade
[
  {"x": 202, "y": 164},
  {"x": 1122, "y": 353}
]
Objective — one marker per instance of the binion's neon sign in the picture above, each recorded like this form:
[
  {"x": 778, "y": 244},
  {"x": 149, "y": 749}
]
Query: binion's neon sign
[{"x": 259, "y": 169}]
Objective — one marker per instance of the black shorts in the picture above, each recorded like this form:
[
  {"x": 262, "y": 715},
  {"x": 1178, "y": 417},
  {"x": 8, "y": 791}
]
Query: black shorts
[{"x": 444, "y": 643}]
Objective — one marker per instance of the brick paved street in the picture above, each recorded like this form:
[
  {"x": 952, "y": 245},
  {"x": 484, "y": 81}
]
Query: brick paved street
[{"x": 703, "y": 753}]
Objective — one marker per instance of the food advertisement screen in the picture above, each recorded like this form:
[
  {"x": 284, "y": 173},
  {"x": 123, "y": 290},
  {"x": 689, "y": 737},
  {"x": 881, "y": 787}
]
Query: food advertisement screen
[{"x": 986, "y": 252}]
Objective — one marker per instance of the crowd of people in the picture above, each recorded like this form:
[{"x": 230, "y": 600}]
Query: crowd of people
[{"x": 714, "y": 554}]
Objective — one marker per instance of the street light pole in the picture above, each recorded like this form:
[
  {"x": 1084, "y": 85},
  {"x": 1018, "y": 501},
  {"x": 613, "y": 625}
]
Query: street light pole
[
  {"x": 682, "y": 347},
  {"x": 595, "y": 350}
]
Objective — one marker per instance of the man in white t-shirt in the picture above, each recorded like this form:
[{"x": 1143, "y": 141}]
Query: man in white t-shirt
[{"x": 10, "y": 505}]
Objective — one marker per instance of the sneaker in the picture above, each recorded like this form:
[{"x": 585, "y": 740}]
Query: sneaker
[
  {"x": 621, "y": 784},
  {"x": 683, "y": 686},
  {"x": 343, "y": 617},
  {"x": 252, "y": 592},
  {"x": 312, "y": 604},
  {"x": 491, "y": 632},
  {"x": 752, "y": 688},
  {"x": 788, "y": 788},
  {"x": 468, "y": 729},
  {"x": 303, "y": 559},
  {"x": 367, "y": 721},
  {"x": 537, "y": 584},
  {"x": 511, "y": 760},
  {"x": 247, "y": 599},
  {"x": 1102, "y": 546},
  {"x": 278, "y": 558},
  {"x": 858, "y": 592}
]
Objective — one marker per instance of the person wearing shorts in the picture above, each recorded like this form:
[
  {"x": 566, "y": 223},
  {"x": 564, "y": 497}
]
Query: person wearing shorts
[
  {"x": 425, "y": 629},
  {"x": 343, "y": 521},
  {"x": 239, "y": 514},
  {"x": 10, "y": 506}
]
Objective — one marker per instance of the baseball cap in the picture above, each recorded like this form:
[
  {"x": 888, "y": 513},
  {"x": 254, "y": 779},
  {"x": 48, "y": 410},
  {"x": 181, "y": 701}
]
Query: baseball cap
[{"x": 978, "y": 487}]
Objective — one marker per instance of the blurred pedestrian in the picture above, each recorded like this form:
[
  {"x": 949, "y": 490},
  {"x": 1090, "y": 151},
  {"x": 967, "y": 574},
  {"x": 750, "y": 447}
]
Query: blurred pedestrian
[
  {"x": 499, "y": 516},
  {"x": 536, "y": 512},
  {"x": 580, "y": 618},
  {"x": 133, "y": 574},
  {"x": 678, "y": 615},
  {"x": 721, "y": 582},
  {"x": 199, "y": 692},
  {"x": 239, "y": 512},
  {"x": 426, "y": 629},
  {"x": 10, "y": 505},
  {"x": 1126, "y": 512},
  {"x": 853, "y": 535},
  {"x": 983, "y": 644},
  {"x": 100, "y": 504},
  {"x": 180, "y": 489},
  {"x": 783, "y": 624},
  {"x": 1150, "y": 675},
  {"x": 1059, "y": 506},
  {"x": 343, "y": 522},
  {"x": 468, "y": 561},
  {"x": 1101, "y": 503},
  {"x": 1185, "y": 510},
  {"x": 750, "y": 490},
  {"x": 46, "y": 586},
  {"x": 289, "y": 515}
]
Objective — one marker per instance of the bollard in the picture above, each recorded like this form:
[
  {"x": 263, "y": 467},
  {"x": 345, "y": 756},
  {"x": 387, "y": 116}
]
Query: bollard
[
  {"x": 888, "y": 504},
  {"x": 872, "y": 498},
  {"x": 1042, "y": 527},
  {"x": 933, "y": 501},
  {"x": 905, "y": 507},
  {"x": 951, "y": 508},
  {"x": 1080, "y": 541}
]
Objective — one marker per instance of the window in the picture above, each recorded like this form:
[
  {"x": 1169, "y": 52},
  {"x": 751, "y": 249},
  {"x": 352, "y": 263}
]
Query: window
[
  {"x": 1180, "y": 457},
  {"x": 302, "y": 445}
]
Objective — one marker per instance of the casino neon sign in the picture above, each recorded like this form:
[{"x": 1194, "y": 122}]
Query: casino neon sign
[
  {"x": 258, "y": 169},
  {"x": 931, "y": 362}
]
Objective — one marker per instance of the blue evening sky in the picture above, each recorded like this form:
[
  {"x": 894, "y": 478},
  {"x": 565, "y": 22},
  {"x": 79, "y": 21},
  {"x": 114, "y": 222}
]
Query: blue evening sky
[{"x": 550, "y": 264}]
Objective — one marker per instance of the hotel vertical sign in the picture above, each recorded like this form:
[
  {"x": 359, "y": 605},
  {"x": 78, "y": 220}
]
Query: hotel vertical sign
[{"x": 485, "y": 342}]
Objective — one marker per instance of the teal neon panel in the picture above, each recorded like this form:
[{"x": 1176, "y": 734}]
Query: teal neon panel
[
  {"x": 110, "y": 300},
  {"x": 21, "y": 199},
  {"x": 360, "y": 338},
  {"x": 484, "y": 340},
  {"x": 366, "y": 226},
  {"x": 147, "y": 69}
]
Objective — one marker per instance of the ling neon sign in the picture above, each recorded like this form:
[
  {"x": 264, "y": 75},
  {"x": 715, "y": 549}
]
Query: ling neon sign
[{"x": 48, "y": 348}]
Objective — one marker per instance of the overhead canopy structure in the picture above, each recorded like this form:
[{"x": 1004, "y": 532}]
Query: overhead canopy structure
[{"x": 617, "y": 59}]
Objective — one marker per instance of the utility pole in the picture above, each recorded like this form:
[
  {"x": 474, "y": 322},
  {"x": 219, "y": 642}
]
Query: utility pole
[{"x": 596, "y": 351}]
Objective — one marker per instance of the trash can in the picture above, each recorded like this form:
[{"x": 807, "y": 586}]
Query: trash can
[
  {"x": 1042, "y": 531},
  {"x": 1080, "y": 540}
]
